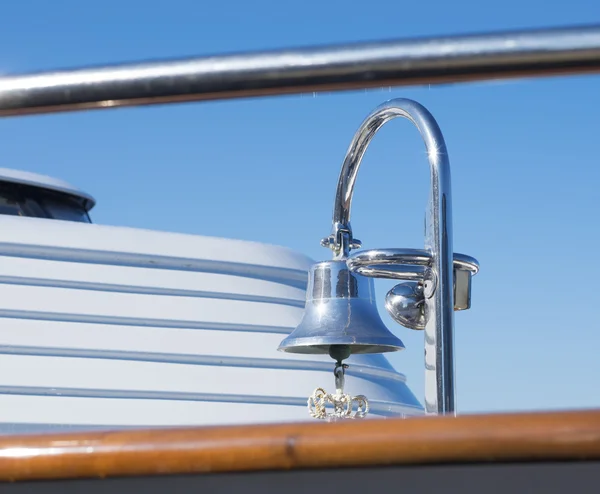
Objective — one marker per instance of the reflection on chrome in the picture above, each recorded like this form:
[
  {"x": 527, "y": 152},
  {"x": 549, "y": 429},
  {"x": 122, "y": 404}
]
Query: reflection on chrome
[{"x": 437, "y": 280}]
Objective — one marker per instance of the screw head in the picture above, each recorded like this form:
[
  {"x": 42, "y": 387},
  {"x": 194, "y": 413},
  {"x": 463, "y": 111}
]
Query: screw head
[{"x": 429, "y": 283}]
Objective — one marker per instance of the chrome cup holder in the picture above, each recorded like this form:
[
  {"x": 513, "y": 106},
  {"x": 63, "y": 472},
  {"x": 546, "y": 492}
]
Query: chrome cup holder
[{"x": 406, "y": 302}]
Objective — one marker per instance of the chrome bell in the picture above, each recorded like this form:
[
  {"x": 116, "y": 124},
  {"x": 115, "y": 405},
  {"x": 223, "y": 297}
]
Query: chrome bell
[{"x": 340, "y": 317}]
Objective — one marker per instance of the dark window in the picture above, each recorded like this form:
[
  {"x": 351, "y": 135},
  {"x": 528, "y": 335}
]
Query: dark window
[{"x": 35, "y": 202}]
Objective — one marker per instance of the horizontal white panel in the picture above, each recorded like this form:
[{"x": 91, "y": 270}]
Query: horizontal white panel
[
  {"x": 146, "y": 307},
  {"x": 68, "y": 410},
  {"x": 112, "y": 376},
  {"x": 106, "y": 277},
  {"x": 52, "y": 236},
  {"x": 24, "y": 336},
  {"x": 99, "y": 337},
  {"x": 149, "y": 413}
]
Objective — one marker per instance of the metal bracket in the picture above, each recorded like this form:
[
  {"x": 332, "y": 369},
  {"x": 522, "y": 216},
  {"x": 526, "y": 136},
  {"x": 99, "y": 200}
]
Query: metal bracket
[{"x": 413, "y": 265}]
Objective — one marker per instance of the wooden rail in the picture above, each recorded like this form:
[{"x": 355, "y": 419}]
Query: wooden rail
[{"x": 428, "y": 440}]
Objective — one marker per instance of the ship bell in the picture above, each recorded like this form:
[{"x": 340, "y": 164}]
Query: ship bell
[{"x": 340, "y": 316}]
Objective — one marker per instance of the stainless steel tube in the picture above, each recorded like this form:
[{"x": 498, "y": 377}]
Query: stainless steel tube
[
  {"x": 439, "y": 297},
  {"x": 334, "y": 68}
]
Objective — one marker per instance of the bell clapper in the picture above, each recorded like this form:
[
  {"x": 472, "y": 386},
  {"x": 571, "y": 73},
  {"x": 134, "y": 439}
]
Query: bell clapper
[{"x": 343, "y": 404}]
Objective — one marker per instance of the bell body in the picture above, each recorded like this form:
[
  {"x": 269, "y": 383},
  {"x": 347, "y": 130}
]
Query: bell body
[{"x": 340, "y": 316}]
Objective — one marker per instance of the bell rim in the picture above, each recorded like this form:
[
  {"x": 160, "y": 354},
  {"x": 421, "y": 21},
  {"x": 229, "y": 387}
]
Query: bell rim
[{"x": 382, "y": 345}]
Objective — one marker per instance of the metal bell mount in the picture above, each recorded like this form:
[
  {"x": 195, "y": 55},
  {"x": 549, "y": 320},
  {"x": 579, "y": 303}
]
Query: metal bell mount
[{"x": 341, "y": 316}]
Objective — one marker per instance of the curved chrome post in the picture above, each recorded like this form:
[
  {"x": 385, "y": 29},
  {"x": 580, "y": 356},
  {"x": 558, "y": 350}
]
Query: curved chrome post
[{"x": 438, "y": 279}]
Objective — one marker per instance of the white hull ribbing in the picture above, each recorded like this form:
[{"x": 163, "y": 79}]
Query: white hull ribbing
[{"x": 115, "y": 327}]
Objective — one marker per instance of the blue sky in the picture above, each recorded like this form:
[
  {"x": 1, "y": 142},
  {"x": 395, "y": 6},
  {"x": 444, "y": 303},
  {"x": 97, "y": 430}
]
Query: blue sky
[{"x": 523, "y": 154}]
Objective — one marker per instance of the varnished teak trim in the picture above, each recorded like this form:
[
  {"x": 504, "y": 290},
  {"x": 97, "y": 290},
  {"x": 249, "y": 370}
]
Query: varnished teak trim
[{"x": 476, "y": 438}]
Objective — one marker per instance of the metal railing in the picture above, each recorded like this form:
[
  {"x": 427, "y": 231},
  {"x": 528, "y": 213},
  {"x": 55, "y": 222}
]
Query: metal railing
[{"x": 501, "y": 55}]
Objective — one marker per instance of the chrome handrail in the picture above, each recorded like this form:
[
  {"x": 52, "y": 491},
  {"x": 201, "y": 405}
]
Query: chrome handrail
[{"x": 499, "y": 55}]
